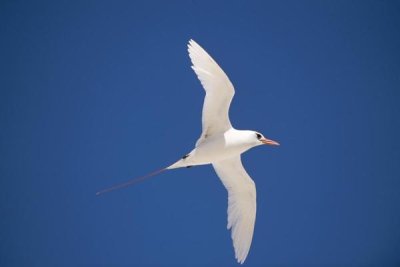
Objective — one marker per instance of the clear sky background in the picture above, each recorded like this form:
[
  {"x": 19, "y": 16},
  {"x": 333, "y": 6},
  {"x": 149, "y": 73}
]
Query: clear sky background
[{"x": 93, "y": 93}]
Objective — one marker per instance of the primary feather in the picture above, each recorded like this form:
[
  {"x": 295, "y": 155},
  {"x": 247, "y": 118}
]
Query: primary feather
[
  {"x": 241, "y": 203},
  {"x": 219, "y": 91}
]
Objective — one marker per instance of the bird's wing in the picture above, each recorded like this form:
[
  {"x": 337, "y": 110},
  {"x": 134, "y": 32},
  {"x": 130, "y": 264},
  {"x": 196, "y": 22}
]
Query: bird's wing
[
  {"x": 219, "y": 91},
  {"x": 241, "y": 203}
]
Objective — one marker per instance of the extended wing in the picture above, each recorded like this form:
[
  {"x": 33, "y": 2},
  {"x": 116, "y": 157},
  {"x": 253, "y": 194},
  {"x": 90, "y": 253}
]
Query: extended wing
[
  {"x": 241, "y": 203},
  {"x": 219, "y": 91}
]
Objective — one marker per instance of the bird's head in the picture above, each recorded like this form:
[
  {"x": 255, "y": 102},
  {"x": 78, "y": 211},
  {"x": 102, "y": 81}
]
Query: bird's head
[{"x": 259, "y": 139}]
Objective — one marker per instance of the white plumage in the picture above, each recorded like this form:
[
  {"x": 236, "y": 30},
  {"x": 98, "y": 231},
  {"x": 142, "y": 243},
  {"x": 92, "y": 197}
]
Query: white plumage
[
  {"x": 218, "y": 87},
  {"x": 221, "y": 145},
  {"x": 241, "y": 203}
]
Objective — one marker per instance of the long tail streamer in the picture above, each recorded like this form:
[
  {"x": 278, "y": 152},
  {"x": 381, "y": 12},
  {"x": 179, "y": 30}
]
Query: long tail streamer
[{"x": 130, "y": 182}]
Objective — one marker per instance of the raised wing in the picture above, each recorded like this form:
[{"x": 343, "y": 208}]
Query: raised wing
[
  {"x": 219, "y": 91},
  {"x": 241, "y": 203}
]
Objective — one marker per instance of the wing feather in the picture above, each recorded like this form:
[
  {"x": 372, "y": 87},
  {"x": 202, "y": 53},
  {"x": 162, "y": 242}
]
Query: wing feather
[
  {"x": 219, "y": 91},
  {"x": 241, "y": 203}
]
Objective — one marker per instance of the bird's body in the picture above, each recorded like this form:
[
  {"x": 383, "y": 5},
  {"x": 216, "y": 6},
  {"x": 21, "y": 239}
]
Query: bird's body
[
  {"x": 221, "y": 145},
  {"x": 218, "y": 147}
]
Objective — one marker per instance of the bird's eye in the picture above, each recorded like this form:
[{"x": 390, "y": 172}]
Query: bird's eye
[{"x": 259, "y": 136}]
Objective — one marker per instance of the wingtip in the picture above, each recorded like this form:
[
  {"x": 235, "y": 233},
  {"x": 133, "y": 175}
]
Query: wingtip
[
  {"x": 240, "y": 260},
  {"x": 191, "y": 45}
]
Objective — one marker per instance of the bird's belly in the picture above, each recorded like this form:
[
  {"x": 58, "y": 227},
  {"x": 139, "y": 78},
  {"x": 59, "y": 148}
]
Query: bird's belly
[{"x": 214, "y": 151}]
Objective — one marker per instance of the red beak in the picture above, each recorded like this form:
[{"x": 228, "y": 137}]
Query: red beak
[{"x": 269, "y": 142}]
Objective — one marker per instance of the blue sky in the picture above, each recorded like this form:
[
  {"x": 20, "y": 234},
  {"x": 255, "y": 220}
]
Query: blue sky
[{"x": 93, "y": 93}]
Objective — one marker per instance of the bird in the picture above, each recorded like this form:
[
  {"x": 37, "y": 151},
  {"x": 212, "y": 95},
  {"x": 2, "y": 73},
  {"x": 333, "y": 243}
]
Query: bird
[{"x": 221, "y": 145}]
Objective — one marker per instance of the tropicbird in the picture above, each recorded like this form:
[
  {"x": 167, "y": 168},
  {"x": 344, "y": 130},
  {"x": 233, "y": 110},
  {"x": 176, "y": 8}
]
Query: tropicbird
[{"x": 221, "y": 145}]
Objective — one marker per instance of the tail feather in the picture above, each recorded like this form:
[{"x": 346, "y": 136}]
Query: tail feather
[
  {"x": 179, "y": 164},
  {"x": 130, "y": 182}
]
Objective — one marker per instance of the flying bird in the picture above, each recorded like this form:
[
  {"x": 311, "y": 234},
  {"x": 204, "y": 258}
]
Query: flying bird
[{"x": 221, "y": 145}]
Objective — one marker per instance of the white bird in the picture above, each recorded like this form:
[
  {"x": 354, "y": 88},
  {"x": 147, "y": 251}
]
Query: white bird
[{"x": 221, "y": 145}]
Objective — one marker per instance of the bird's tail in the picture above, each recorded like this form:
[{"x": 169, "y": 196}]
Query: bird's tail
[{"x": 178, "y": 164}]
